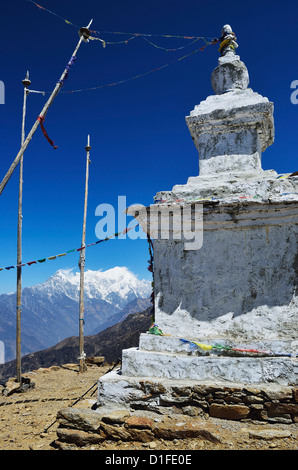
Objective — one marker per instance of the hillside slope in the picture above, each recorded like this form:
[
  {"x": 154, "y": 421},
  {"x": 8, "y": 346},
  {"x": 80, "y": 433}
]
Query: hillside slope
[{"x": 108, "y": 343}]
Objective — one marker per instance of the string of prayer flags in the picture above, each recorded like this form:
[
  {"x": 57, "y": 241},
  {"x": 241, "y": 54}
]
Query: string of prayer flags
[
  {"x": 74, "y": 250},
  {"x": 120, "y": 82},
  {"x": 207, "y": 43},
  {"x": 157, "y": 46},
  {"x": 51, "y": 12},
  {"x": 41, "y": 121},
  {"x": 133, "y": 35},
  {"x": 98, "y": 39},
  {"x": 219, "y": 347},
  {"x": 144, "y": 36},
  {"x": 205, "y": 347},
  {"x": 193, "y": 344},
  {"x": 287, "y": 175},
  {"x": 155, "y": 330},
  {"x": 282, "y": 176},
  {"x": 123, "y": 41}
]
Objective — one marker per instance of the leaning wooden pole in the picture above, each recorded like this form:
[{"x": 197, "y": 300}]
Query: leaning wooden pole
[
  {"x": 84, "y": 35},
  {"x": 82, "y": 264},
  {"x": 26, "y": 82}
]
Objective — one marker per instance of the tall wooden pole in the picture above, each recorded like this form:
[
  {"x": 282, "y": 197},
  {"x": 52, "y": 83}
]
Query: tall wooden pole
[
  {"x": 82, "y": 264},
  {"x": 84, "y": 34},
  {"x": 26, "y": 82}
]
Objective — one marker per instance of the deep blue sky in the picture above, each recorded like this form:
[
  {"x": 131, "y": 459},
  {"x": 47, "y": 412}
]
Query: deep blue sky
[{"x": 140, "y": 141}]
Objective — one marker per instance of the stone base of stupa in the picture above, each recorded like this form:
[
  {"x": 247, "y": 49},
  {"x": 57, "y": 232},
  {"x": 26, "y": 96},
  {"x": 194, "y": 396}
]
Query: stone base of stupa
[
  {"x": 166, "y": 374},
  {"x": 237, "y": 291},
  {"x": 178, "y": 359}
]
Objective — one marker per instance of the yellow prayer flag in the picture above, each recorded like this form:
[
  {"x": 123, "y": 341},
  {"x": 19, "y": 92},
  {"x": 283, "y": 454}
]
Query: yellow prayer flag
[{"x": 206, "y": 347}]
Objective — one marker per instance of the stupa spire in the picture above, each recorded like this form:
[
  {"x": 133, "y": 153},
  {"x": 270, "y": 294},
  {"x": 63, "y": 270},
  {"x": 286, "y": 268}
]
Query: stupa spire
[
  {"x": 228, "y": 44},
  {"x": 231, "y": 73}
]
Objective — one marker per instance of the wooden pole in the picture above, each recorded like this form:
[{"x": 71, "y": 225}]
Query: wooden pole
[
  {"x": 82, "y": 366},
  {"x": 84, "y": 34},
  {"x": 26, "y": 82}
]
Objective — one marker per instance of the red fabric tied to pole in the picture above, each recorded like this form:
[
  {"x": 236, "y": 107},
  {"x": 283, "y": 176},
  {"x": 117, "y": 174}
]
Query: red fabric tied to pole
[{"x": 41, "y": 121}]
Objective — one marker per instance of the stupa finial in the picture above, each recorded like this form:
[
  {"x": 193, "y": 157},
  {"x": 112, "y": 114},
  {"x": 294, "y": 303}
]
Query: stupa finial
[
  {"x": 228, "y": 42},
  {"x": 231, "y": 72}
]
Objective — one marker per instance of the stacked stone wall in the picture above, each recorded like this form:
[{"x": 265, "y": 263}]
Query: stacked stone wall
[{"x": 193, "y": 405}]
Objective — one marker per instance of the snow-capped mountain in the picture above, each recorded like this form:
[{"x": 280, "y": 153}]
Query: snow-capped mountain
[
  {"x": 50, "y": 311},
  {"x": 117, "y": 286}
]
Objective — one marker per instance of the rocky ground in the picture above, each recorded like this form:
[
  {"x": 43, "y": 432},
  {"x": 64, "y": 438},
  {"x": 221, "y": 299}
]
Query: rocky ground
[{"x": 28, "y": 419}]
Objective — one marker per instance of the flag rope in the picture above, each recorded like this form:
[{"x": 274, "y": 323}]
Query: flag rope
[
  {"x": 155, "y": 330},
  {"x": 97, "y": 87},
  {"x": 74, "y": 250},
  {"x": 193, "y": 39},
  {"x": 132, "y": 35},
  {"x": 151, "y": 269}
]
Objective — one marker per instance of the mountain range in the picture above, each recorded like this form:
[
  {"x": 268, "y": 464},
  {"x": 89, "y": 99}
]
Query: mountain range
[{"x": 50, "y": 310}]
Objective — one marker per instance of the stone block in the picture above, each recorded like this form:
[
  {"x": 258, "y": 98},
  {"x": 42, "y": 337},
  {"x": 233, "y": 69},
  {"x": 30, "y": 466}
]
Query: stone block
[
  {"x": 234, "y": 412},
  {"x": 84, "y": 419},
  {"x": 78, "y": 437},
  {"x": 269, "y": 434},
  {"x": 246, "y": 370},
  {"x": 116, "y": 432},
  {"x": 185, "y": 430},
  {"x": 114, "y": 416},
  {"x": 279, "y": 394},
  {"x": 281, "y": 409},
  {"x": 140, "y": 422},
  {"x": 127, "y": 433}
]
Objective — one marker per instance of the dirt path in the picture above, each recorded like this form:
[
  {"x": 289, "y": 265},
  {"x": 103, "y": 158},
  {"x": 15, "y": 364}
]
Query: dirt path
[{"x": 25, "y": 416}]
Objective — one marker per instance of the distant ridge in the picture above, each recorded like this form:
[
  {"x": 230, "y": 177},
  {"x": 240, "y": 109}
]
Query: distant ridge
[{"x": 108, "y": 343}]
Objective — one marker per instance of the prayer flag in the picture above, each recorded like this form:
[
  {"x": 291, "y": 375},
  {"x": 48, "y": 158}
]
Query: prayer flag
[{"x": 41, "y": 121}]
